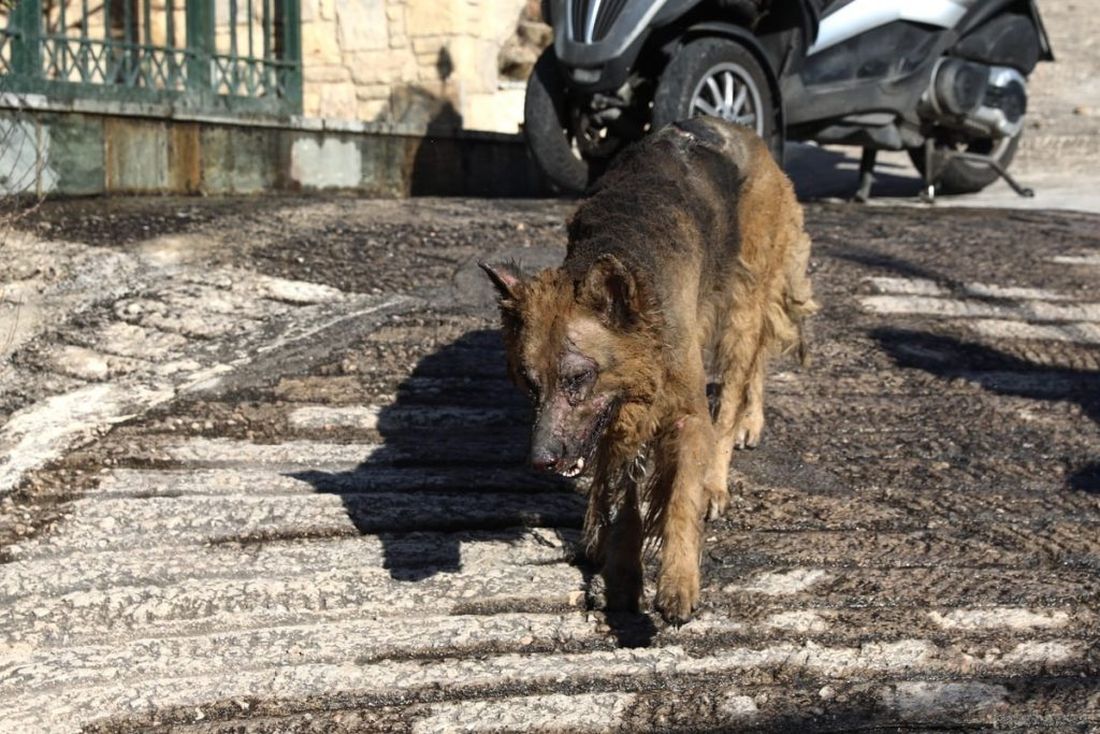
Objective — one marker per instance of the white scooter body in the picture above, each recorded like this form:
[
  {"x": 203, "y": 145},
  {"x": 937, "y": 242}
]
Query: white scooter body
[{"x": 861, "y": 16}]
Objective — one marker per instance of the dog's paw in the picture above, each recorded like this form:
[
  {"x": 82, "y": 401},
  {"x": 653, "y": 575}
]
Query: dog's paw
[
  {"x": 622, "y": 599},
  {"x": 718, "y": 501},
  {"x": 595, "y": 593},
  {"x": 749, "y": 429},
  {"x": 622, "y": 583},
  {"x": 676, "y": 601}
]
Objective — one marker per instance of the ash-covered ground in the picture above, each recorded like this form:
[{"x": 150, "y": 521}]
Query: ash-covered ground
[{"x": 265, "y": 473}]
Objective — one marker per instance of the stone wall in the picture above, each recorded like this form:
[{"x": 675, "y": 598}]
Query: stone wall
[
  {"x": 412, "y": 66},
  {"x": 416, "y": 65},
  {"x": 59, "y": 151}
]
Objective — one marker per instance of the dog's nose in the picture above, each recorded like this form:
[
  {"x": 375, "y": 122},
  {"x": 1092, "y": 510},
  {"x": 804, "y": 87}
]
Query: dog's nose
[{"x": 544, "y": 459}]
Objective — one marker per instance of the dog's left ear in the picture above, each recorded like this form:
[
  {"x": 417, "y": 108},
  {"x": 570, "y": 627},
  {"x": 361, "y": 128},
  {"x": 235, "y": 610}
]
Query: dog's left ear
[
  {"x": 507, "y": 278},
  {"x": 609, "y": 289}
]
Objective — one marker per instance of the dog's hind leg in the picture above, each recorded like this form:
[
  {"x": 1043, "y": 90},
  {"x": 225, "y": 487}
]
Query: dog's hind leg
[
  {"x": 739, "y": 419},
  {"x": 750, "y": 423}
]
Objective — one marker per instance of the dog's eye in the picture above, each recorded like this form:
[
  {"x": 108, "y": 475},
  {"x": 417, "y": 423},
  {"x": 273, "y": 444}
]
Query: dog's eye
[
  {"x": 528, "y": 381},
  {"x": 576, "y": 382}
]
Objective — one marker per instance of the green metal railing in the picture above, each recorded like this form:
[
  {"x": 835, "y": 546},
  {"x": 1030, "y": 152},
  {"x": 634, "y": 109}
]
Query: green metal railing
[{"x": 202, "y": 55}]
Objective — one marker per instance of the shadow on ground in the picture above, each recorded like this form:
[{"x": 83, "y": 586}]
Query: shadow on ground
[
  {"x": 492, "y": 492},
  {"x": 822, "y": 173},
  {"x": 896, "y": 265},
  {"x": 1086, "y": 479},
  {"x": 1000, "y": 373},
  {"x": 432, "y": 460}
]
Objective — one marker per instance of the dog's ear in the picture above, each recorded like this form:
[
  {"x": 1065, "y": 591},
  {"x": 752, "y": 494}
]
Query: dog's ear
[
  {"x": 507, "y": 278},
  {"x": 610, "y": 290}
]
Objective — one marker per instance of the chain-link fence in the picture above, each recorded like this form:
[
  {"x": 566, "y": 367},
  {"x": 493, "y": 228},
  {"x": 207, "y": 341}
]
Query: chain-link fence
[
  {"x": 22, "y": 176},
  {"x": 22, "y": 152}
]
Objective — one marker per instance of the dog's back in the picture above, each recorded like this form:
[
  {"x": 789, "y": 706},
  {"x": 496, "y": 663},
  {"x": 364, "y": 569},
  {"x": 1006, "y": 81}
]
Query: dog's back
[{"x": 702, "y": 206}]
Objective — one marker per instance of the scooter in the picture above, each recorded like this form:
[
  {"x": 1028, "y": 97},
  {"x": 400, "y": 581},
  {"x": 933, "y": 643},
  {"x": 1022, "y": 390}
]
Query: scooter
[{"x": 945, "y": 80}]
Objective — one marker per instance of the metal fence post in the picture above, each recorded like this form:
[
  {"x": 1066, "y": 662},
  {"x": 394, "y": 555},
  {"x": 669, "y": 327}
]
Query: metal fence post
[
  {"x": 44, "y": 50},
  {"x": 292, "y": 50},
  {"x": 26, "y": 42},
  {"x": 200, "y": 46}
]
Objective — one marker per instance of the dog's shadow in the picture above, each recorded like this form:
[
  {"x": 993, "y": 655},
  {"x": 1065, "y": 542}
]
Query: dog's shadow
[{"x": 452, "y": 468}]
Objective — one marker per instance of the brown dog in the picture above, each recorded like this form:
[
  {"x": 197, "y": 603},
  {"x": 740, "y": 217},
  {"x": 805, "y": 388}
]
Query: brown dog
[{"x": 691, "y": 246}]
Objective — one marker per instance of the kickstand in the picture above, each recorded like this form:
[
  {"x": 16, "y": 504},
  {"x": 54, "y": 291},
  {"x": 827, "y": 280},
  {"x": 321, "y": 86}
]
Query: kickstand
[
  {"x": 929, "y": 192},
  {"x": 866, "y": 175},
  {"x": 1001, "y": 171}
]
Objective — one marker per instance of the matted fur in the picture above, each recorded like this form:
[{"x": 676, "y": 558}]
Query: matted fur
[{"x": 691, "y": 248}]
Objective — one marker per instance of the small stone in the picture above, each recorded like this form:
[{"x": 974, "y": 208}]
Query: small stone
[{"x": 1083, "y": 111}]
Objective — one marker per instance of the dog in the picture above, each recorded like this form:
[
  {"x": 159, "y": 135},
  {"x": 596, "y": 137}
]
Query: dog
[{"x": 689, "y": 252}]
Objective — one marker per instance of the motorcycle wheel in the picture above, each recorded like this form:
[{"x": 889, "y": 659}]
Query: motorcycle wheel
[
  {"x": 967, "y": 177},
  {"x": 717, "y": 77},
  {"x": 546, "y": 124}
]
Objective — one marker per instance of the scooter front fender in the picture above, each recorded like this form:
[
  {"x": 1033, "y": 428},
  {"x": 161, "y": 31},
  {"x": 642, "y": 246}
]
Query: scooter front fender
[{"x": 597, "y": 58}]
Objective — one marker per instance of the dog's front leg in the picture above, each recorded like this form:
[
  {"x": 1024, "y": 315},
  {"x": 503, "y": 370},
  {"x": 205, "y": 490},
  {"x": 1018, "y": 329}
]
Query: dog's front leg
[
  {"x": 613, "y": 541},
  {"x": 688, "y": 457},
  {"x": 622, "y": 566}
]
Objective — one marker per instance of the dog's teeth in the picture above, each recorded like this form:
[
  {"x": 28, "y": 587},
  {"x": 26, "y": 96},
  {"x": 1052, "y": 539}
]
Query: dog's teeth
[{"x": 575, "y": 469}]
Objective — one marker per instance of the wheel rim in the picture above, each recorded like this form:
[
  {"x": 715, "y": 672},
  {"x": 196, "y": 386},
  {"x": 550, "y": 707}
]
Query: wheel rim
[{"x": 728, "y": 91}]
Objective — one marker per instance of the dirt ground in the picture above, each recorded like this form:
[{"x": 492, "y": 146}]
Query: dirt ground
[
  {"x": 261, "y": 471},
  {"x": 324, "y": 523}
]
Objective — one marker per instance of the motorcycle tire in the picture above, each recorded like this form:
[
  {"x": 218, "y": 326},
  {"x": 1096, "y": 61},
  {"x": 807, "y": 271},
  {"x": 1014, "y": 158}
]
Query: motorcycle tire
[
  {"x": 545, "y": 124},
  {"x": 683, "y": 90},
  {"x": 966, "y": 177}
]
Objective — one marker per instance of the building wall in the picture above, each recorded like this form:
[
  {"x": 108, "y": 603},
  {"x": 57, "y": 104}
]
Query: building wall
[
  {"x": 86, "y": 153},
  {"x": 416, "y": 65},
  {"x": 400, "y": 97},
  {"x": 410, "y": 65}
]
